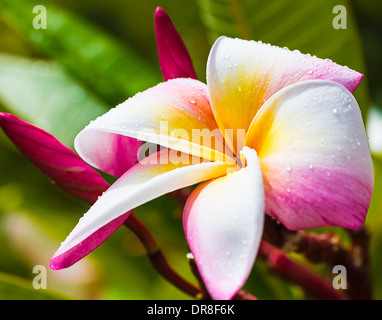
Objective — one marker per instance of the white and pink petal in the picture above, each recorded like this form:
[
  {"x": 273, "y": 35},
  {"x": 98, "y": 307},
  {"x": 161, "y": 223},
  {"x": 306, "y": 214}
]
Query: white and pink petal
[
  {"x": 175, "y": 114},
  {"x": 242, "y": 75},
  {"x": 314, "y": 155},
  {"x": 109, "y": 152},
  {"x": 223, "y": 223},
  {"x": 147, "y": 180}
]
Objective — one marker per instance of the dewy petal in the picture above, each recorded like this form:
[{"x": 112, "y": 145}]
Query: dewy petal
[
  {"x": 149, "y": 179},
  {"x": 223, "y": 222},
  {"x": 55, "y": 160},
  {"x": 119, "y": 153},
  {"x": 175, "y": 114},
  {"x": 242, "y": 75},
  {"x": 314, "y": 155},
  {"x": 174, "y": 59}
]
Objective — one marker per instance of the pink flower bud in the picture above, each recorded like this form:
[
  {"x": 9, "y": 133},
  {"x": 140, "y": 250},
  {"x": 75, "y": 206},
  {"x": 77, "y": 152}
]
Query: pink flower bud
[
  {"x": 55, "y": 160},
  {"x": 174, "y": 59}
]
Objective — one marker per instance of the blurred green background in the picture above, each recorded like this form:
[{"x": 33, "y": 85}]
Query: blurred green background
[{"x": 94, "y": 55}]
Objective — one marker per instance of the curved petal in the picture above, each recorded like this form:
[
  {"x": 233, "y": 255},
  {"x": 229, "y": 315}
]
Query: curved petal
[
  {"x": 149, "y": 179},
  {"x": 314, "y": 156},
  {"x": 223, "y": 222},
  {"x": 175, "y": 114},
  {"x": 119, "y": 153},
  {"x": 242, "y": 75},
  {"x": 65, "y": 258}
]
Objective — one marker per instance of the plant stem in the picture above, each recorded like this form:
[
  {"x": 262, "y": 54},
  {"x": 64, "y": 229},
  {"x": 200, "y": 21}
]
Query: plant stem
[
  {"x": 359, "y": 275},
  {"x": 157, "y": 258},
  {"x": 283, "y": 266},
  {"x": 195, "y": 271},
  {"x": 181, "y": 195},
  {"x": 327, "y": 248}
]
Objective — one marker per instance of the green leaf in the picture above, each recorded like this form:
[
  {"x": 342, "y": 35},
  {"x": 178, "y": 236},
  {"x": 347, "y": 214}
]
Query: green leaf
[
  {"x": 111, "y": 68},
  {"x": 41, "y": 93},
  {"x": 297, "y": 24}
]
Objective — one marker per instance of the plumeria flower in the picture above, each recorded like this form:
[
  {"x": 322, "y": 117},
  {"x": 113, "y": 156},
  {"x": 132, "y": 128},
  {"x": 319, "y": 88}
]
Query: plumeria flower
[{"x": 272, "y": 131}]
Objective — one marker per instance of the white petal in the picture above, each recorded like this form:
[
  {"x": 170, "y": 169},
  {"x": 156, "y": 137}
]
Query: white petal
[
  {"x": 242, "y": 75},
  {"x": 223, "y": 222},
  {"x": 314, "y": 156}
]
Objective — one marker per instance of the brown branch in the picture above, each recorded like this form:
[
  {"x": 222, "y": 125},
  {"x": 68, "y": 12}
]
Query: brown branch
[
  {"x": 327, "y": 248},
  {"x": 359, "y": 275},
  {"x": 157, "y": 258},
  {"x": 181, "y": 195},
  {"x": 243, "y": 295},
  {"x": 195, "y": 271},
  {"x": 286, "y": 268}
]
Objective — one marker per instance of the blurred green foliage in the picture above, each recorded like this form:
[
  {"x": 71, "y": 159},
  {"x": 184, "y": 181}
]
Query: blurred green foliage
[{"x": 94, "y": 55}]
